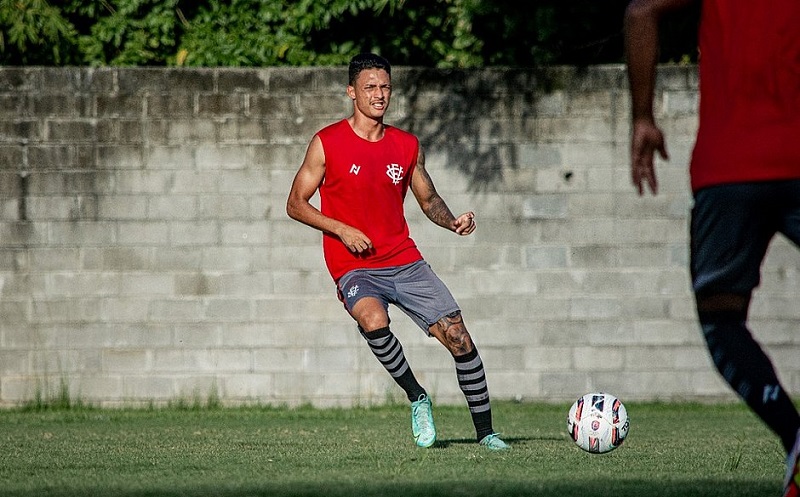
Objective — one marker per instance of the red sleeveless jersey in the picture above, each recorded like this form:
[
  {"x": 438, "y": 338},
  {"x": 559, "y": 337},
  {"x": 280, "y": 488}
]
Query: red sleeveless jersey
[
  {"x": 749, "y": 93},
  {"x": 365, "y": 186}
]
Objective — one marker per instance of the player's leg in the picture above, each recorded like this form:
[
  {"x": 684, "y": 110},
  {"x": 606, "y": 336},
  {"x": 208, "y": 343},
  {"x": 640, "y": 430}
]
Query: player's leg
[
  {"x": 731, "y": 228},
  {"x": 388, "y": 350},
  {"x": 428, "y": 301},
  {"x": 452, "y": 333},
  {"x": 791, "y": 229},
  {"x": 791, "y": 483},
  {"x": 363, "y": 295},
  {"x": 385, "y": 345}
]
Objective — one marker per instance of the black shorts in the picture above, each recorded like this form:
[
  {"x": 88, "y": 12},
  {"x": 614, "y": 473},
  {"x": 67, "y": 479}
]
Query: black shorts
[{"x": 731, "y": 229}]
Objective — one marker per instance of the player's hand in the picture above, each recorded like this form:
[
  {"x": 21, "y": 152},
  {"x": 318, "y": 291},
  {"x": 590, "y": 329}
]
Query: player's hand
[
  {"x": 464, "y": 224},
  {"x": 356, "y": 241},
  {"x": 646, "y": 140}
]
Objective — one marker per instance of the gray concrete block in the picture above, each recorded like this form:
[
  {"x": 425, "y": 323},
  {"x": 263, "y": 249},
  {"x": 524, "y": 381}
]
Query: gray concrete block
[
  {"x": 190, "y": 131},
  {"x": 16, "y": 78},
  {"x": 119, "y": 157},
  {"x": 216, "y": 104},
  {"x": 130, "y": 106},
  {"x": 142, "y": 232},
  {"x": 15, "y": 311},
  {"x": 176, "y": 104},
  {"x": 233, "y": 80},
  {"x": 286, "y": 80}
]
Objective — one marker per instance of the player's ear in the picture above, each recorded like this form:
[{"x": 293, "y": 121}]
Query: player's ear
[{"x": 351, "y": 92}]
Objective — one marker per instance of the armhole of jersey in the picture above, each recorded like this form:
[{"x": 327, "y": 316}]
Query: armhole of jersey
[
  {"x": 416, "y": 156},
  {"x": 324, "y": 152}
]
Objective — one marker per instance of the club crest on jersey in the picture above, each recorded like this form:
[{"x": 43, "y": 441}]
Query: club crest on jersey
[{"x": 395, "y": 172}]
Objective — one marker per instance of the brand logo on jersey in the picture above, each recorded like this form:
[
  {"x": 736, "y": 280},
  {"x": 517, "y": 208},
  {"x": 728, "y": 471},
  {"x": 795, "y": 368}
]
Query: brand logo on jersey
[
  {"x": 395, "y": 172},
  {"x": 353, "y": 291},
  {"x": 355, "y": 169}
]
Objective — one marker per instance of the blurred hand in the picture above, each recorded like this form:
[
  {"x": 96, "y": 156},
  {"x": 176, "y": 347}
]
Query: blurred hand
[{"x": 646, "y": 140}]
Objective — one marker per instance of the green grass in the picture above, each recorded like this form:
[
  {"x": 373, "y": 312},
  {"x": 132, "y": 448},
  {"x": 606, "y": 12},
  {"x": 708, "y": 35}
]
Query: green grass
[{"x": 672, "y": 450}]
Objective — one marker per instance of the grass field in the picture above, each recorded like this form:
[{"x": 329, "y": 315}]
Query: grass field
[{"x": 672, "y": 450}]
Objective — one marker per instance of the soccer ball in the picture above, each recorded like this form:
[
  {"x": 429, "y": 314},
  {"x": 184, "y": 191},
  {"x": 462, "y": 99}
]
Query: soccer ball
[{"x": 598, "y": 422}]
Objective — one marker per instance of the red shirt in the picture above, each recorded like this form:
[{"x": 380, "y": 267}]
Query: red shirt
[
  {"x": 749, "y": 92},
  {"x": 365, "y": 186}
]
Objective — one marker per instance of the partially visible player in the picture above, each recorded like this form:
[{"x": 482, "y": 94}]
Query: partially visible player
[{"x": 745, "y": 176}]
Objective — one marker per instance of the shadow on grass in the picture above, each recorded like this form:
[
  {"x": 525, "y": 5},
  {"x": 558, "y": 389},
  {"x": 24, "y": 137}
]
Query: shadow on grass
[
  {"x": 472, "y": 486},
  {"x": 445, "y": 443}
]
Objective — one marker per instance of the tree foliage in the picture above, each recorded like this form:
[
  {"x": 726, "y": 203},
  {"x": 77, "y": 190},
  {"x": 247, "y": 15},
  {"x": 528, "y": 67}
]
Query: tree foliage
[
  {"x": 256, "y": 33},
  {"x": 34, "y": 32},
  {"x": 131, "y": 33},
  {"x": 432, "y": 33}
]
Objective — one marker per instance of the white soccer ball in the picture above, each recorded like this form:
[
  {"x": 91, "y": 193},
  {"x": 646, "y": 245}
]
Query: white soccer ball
[{"x": 598, "y": 422}]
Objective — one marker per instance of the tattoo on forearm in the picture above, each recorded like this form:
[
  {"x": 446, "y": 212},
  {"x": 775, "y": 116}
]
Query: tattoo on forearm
[
  {"x": 424, "y": 173},
  {"x": 438, "y": 212},
  {"x": 436, "y": 209}
]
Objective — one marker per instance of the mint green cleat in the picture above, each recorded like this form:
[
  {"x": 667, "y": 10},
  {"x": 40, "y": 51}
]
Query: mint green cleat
[
  {"x": 493, "y": 442},
  {"x": 422, "y": 422}
]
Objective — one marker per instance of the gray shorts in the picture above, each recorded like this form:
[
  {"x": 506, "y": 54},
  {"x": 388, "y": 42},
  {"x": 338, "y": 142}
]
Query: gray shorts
[{"x": 414, "y": 288}]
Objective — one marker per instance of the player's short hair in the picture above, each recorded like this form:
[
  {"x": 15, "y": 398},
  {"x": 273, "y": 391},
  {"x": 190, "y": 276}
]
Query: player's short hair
[{"x": 364, "y": 61}]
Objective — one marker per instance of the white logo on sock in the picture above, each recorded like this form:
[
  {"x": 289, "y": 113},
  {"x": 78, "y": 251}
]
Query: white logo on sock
[{"x": 770, "y": 393}]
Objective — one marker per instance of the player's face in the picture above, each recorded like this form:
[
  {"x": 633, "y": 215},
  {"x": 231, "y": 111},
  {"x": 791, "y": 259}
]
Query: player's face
[{"x": 371, "y": 93}]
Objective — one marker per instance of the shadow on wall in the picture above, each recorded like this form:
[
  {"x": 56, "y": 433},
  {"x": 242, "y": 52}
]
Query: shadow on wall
[{"x": 463, "y": 115}]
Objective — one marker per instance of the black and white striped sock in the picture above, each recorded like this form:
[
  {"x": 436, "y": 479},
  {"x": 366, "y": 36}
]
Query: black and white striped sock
[
  {"x": 472, "y": 381},
  {"x": 389, "y": 352}
]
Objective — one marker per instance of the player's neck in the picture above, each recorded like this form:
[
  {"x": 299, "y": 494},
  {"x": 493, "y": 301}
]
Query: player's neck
[{"x": 368, "y": 128}]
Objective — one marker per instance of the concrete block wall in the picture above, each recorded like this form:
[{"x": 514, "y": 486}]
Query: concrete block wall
[{"x": 146, "y": 257}]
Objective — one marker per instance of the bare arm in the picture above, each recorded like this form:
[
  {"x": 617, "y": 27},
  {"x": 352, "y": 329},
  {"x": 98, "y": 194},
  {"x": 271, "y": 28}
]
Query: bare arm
[
  {"x": 298, "y": 206},
  {"x": 434, "y": 206},
  {"x": 642, "y": 19}
]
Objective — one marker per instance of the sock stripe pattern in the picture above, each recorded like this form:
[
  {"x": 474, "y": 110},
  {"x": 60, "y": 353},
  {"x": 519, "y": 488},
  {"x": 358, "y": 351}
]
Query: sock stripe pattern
[
  {"x": 387, "y": 349},
  {"x": 472, "y": 381}
]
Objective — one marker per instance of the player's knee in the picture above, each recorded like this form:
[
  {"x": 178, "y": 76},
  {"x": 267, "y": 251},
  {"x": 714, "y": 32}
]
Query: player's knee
[
  {"x": 369, "y": 314},
  {"x": 458, "y": 339},
  {"x": 372, "y": 322}
]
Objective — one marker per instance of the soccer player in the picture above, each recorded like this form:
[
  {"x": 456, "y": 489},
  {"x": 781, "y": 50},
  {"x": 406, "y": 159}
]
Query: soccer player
[
  {"x": 363, "y": 169},
  {"x": 744, "y": 172}
]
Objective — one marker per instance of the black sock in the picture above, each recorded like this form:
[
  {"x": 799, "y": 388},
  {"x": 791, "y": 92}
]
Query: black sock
[
  {"x": 472, "y": 381},
  {"x": 747, "y": 369},
  {"x": 389, "y": 352}
]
